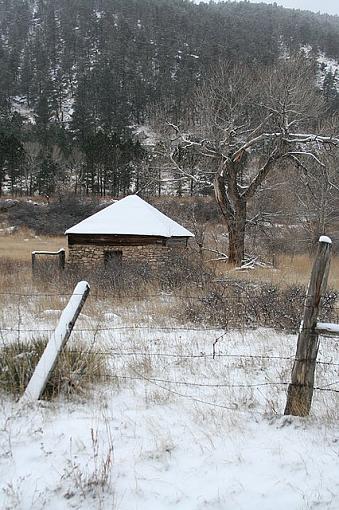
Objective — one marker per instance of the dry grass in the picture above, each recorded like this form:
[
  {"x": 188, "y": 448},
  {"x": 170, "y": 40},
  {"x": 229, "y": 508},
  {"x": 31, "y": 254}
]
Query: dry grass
[
  {"x": 75, "y": 368},
  {"x": 19, "y": 246},
  {"x": 289, "y": 271}
]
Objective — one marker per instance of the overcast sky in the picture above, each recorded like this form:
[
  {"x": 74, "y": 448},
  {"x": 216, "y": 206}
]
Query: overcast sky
[
  {"x": 323, "y": 6},
  {"x": 329, "y": 6}
]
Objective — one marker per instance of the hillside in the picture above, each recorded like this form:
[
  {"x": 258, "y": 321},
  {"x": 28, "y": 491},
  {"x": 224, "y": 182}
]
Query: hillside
[
  {"x": 100, "y": 63},
  {"x": 79, "y": 79}
]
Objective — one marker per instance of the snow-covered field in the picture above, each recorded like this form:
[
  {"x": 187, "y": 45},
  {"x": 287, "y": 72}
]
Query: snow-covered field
[{"x": 172, "y": 427}]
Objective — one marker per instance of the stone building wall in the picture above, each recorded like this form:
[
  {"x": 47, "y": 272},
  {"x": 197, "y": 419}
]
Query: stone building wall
[{"x": 91, "y": 256}]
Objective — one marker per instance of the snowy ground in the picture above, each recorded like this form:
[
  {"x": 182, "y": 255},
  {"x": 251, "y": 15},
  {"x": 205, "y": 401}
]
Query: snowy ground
[{"x": 173, "y": 427}]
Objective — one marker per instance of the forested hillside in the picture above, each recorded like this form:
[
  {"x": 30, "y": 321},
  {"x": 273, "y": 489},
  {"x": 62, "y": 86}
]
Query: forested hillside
[{"x": 77, "y": 75}]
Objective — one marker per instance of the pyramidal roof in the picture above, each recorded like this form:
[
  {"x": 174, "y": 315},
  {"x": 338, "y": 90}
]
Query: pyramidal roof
[{"x": 130, "y": 216}]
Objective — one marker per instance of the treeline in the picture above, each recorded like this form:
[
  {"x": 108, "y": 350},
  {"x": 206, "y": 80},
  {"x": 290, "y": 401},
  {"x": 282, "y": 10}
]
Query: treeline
[{"x": 77, "y": 75}]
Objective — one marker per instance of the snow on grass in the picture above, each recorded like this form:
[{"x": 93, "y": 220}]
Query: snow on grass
[
  {"x": 165, "y": 454},
  {"x": 172, "y": 427}
]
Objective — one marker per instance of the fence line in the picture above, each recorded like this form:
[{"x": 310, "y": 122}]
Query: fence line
[
  {"x": 231, "y": 329},
  {"x": 20, "y": 330},
  {"x": 117, "y": 297},
  {"x": 200, "y": 385},
  {"x": 201, "y": 356},
  {"x": 160, "y": 382},
  {"x": 203, "y": 385},
  {"x": 117, "y": 328}
]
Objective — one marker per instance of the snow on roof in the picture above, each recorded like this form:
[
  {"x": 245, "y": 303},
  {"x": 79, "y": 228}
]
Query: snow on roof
[{"x": 130, "y": 216}]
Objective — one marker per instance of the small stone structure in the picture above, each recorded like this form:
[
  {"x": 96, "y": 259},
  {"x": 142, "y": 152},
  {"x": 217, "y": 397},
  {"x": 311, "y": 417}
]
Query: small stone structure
[{"x": 130, "y": 230}]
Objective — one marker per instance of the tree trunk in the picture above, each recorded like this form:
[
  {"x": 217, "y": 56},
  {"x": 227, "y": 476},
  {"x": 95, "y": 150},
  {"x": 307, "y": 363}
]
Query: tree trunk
[
  {"x": 236, "y": 235},
  {"x": 235, "y": 217}
]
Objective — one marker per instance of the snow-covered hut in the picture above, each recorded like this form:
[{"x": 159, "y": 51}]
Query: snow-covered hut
[{"x": 128, "y": 230}]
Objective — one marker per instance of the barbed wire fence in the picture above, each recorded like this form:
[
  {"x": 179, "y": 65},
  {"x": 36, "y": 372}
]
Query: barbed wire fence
[
  {"x": 237, "y": 310},
  {"x": 173, "y": 385}
]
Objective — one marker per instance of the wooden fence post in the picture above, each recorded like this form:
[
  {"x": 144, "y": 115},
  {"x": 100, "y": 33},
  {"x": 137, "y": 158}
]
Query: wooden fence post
[
  {"x": 33, "y": 262},
  {"x": 300, "y": 391},
  {"x": 62, "y": 258},
  {"x": 47, "y": 362}
]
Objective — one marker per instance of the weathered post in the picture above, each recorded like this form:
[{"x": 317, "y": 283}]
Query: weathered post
[
  {"x": 33, "y": 262},
  {"x": 62, "y": 259},
  {"x": 47, "y": 362},
  {"x": 300, "y": 391}
]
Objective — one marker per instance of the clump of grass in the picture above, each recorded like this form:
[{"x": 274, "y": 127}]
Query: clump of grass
[{"x": 76, "y": 368}]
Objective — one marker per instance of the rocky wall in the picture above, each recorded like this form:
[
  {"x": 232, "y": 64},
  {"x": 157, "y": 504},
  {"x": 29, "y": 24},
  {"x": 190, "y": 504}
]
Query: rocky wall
[{"x": 90, "y": 256}]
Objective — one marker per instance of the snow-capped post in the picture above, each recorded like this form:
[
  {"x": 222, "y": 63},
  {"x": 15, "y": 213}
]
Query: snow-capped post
[
  {"x": 60, "y": 254},
  {"x": 47, "y": 362},
  {"x": 62, "y": 258},
  {"x": 300, "y": 391}
]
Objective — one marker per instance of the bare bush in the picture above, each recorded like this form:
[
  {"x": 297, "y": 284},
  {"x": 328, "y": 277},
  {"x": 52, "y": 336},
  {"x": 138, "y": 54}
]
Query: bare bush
[
  {"x": 182, "y": 269},
  {"x": 235, "y": 304}
]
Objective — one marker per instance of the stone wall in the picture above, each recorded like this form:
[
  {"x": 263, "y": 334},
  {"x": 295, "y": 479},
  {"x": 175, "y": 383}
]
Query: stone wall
[{"x": 90, "y": 256}]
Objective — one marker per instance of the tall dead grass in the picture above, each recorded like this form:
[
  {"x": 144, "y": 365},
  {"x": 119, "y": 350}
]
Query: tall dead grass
[
  {"x": 76, "y": 368},
  {"x": 288, "y": 270}
]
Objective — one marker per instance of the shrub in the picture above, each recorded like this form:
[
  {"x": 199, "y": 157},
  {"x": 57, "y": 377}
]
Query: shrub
[
  {"x": 131, "y": 278},
  {"x": 238, "y": 304},
  {"x": 183, "y": 269}
]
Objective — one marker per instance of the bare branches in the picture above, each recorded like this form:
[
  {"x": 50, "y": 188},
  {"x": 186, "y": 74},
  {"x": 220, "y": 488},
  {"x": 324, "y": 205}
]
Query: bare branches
[
  {"x": 186, "y": 174},
  {"x": 262, "y": 174},
  {"x": 308, "y": 154},
  {"x": 312, "y": 138},
  {"x": 255, "y": 141},
  {"x": 259, "y": 128}
]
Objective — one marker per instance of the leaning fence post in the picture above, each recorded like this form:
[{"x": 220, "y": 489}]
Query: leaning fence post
[
  {"x": 300, "y": 391},
  {"x": 47, "y": 362}
]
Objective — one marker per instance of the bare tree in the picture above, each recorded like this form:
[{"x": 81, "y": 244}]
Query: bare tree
[
  {"x": 32, "y": 151},
  {"x": 246, "y": 123},
  {"x": 74, "y": 168},
  {"x": 316, "y": 195}
]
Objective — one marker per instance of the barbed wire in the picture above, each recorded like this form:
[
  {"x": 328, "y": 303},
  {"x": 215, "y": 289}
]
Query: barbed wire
[
  {"x": 202, "y": 355},
  {"x": 118, "y": 296},
  {"x": 326, "y": 389},
  {"x": 135, "y": 327},
  {"x": 200, "y": 385},
  {"x": 141, "y": 377},
  {"x": 160, "y": 382},
  {"x": 116, "y": 328},
  {"x": 97, "y": 295}
]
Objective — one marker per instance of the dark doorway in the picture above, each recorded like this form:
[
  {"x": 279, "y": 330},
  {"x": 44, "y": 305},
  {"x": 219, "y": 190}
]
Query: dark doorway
[{"x": 112, "y": 259}]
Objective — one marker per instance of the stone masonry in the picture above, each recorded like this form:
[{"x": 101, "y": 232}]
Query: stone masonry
[{"x": 91, "y": 256}]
